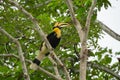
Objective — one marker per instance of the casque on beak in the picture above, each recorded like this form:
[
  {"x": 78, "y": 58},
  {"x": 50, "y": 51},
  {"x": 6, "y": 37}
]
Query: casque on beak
[{"x": 61, "y": 25}]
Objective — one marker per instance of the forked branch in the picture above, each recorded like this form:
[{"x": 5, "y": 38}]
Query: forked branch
[{"x": 20, "y": 52}]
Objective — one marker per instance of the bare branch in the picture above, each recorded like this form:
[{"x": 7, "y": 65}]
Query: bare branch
[
  {"x": 62, "y": 65},
  {"x": 90, "y": 12},
  {"x": 74, "y": 19},
  {"x": 39, "y": 30},
  {"x": 109, "y": 31},
  {"x": 48, "y": 73},
  {"x": 55, "y": 68},
  {"x": 88, "y": 20},
  {"x": 20, "y": 52},
  {"x": 9, "y": 55},
  {"x": 103, "y": 68}
]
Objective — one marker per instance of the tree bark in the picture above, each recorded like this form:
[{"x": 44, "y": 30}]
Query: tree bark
[{"x": 84, "y": 50}]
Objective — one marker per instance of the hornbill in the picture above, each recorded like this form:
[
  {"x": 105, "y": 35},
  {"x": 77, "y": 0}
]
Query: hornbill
[{"x": 54, "y": 39}]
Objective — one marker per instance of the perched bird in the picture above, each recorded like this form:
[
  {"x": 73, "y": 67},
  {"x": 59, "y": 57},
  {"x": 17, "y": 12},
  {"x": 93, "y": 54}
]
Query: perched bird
[{"x": 54, "y": 39}]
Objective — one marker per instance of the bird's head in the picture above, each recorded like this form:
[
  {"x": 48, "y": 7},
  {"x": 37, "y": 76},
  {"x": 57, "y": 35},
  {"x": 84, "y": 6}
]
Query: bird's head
[{"x": 60, "y": 25}]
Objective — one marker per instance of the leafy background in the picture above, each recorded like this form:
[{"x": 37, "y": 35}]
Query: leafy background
[{"x": 47, "y": 13}]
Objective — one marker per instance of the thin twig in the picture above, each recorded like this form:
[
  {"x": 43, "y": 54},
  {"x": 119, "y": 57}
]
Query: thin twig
[
  {"x": 20, "y": 52},
  {"x": 9, "y": 55},
  {"x": 90, "y": 12},
  {"x": 88, "y": 20},
  {"x": 55, "y": 68}
]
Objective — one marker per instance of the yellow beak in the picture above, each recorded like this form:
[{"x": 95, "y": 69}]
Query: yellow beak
[{"x": 61, "y": 24}]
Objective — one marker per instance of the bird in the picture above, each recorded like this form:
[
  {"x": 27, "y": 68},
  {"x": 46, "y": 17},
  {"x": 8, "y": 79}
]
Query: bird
[{"x": 54, "y": 39}]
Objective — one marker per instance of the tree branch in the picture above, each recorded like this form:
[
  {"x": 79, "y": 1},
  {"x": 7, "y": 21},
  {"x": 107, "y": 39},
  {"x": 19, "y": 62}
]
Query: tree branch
[
  {"x": 20, "y": 52},
  {"x": 103, "y": 68},
  {"x": 55, "y": 68},
  {"x": 74, "y": 19},
  {"x": 90, "y": 12},
  {"x": 39, "y": 30},
  {"x": 88, "y": 20},
  {"x": 29, "y": 61},
  {"x": 9, "y": 55},
  {"x": 108, "y": 30},
  {"x": 62, "y": 65},
  {"x": 84, "y": 50}
]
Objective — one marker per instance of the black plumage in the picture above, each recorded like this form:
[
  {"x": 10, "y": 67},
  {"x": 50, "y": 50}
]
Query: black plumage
[{"x": 53, "y": 40}]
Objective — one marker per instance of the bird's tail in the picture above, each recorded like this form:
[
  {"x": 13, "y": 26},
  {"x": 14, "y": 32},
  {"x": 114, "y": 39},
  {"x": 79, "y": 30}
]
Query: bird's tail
[{"x": 40, "y": 56}]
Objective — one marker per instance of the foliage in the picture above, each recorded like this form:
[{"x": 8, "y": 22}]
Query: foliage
[{"x": 20, "y": 27}]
